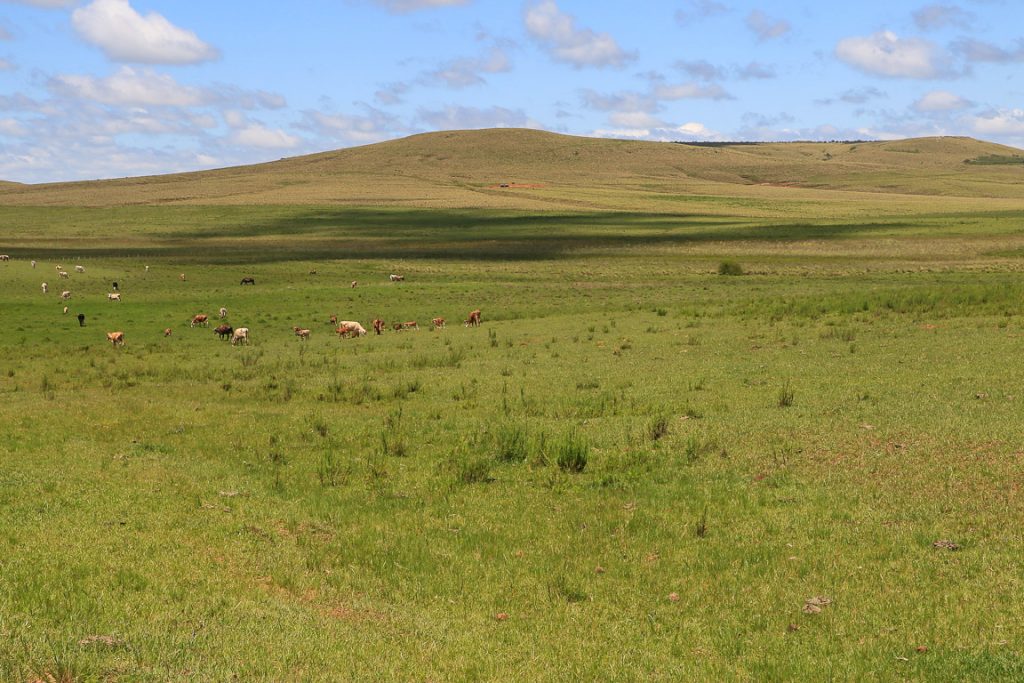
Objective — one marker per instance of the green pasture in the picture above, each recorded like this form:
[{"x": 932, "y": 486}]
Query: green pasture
[{"x": 635, "y": 469}]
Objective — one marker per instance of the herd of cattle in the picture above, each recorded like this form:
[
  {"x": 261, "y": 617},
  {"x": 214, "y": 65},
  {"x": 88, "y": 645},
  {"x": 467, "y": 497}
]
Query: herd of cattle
[{"x": 240, "y": 335}]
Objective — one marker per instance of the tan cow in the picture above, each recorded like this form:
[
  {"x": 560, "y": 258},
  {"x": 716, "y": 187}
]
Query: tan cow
[
  {"x": 350, "y": 328},
  {"x": 354, "y": 283},
  {"x": 114, "y": 296},
  {"x": 379, "y": 325},
  {"x": 474, "y": 318},
  {"x": 201, "y": 319},
  {"x": 301, "y": 333},
  {"x": 116, "y": 338},
  {"x": 240, "y": 335},
  {"x": 167, "y": 332},
  {"x": 397, "y": 278},
  {"x": 182, "y": 277}
]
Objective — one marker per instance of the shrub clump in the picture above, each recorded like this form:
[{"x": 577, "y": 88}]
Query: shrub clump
[
  {"x": 730, "y": 268},
  {"x": 572, "y": 453}
]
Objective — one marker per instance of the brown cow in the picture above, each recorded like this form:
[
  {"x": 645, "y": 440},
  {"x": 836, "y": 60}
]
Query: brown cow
[
  {"x": 116, "y": 338},
  {"x": 301, "y": 333},
  {"x": 201, "y": 319},
  {"x": 167, "y": 332},
  {"x": 224, "y": 331},
  {"x": 474, "y": 318},
  {"x": 182, "y": 277},
  {"x": 334, "y": 319},
  {"x": 410, "y": 325},
  {"x": 379, "y": 325},
  {"x": 437, "y": 322}
]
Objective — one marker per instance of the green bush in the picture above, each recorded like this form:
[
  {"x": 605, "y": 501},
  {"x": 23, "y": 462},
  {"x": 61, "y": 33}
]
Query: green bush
[{"x": 730, "y": 268}]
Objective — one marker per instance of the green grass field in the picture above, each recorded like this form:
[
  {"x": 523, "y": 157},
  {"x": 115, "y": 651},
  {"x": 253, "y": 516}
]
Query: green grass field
[{"x": 635, "y": 469}]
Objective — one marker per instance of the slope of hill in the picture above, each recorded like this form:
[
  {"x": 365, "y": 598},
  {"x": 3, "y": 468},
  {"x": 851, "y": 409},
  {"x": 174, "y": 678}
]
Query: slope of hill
[{"x": 527, "y": 169}]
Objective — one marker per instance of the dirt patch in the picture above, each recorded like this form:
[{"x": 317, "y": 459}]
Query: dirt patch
[{"x": 516, "y": 186}]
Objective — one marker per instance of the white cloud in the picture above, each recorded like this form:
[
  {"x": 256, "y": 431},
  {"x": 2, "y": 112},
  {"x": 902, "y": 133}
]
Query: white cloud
[
  {"x": 126, "y": 36},
  {"x": 623, "y": 101},
  {"x": 12, "y": 128},
  {"x": 1008, "y": 122},
  {"x": 52, "y": 4},
  {"x": 980, "y": 51},
  {"x": 258, "y": 135},
  {"x": 458, "y": 118},
  {"x": 373, "y": 126},
  {"x": 558, "y": 34},
  {"x": 940, "y": 100},
  {"x": 461, "y": 73},
  {"x": 635, "y": 119},
  {"x": 936, "y": 16},
  {"x": 886, "y": 54},
  {"x": 663, "y": 132},
  {"x": 402, "y": 6},
  {"x": 765, "y": 27},
  {"x": 129, "y": 87},
  {"x": 696, "y": 10},
  {"x": 691, "y": 91}
]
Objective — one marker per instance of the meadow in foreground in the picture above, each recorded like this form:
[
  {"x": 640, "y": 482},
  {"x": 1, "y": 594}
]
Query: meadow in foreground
[{"x": 636, "y": 469}]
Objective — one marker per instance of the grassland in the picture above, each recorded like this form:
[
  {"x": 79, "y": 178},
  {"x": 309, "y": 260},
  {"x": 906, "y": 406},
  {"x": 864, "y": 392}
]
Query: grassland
[{"x": 637, "y": 469}]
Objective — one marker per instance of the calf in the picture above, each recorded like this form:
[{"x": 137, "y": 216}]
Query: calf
[
  {"x": 474, "y": 318},
  {"x": 301, "y": 333},
  {"x": 116, "y": 338},
  {"x": 200, "y": 319},
  {"x": 225, "y": 331},
  {"x": 437, "y": 323},
  {"x": 114, "y": 296},
  {"x": 378, "y": 325},
  {"x": 240, "y": 336},
  {"x": 334, "y": 319}
]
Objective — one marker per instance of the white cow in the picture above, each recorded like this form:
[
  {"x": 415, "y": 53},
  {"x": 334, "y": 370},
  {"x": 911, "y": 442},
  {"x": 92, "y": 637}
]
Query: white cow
[
  {"x": 240, "y": 335},
  {"x": 63, "y": 274},
  {"x": 4, "y": 257},
  {"x": 397, "y": 278},
  {"x": 114, "y": 296},
  {"x": 79, "y": 269},
  {"x": 65, "y": 295},
  {"x": 46, "y": 288},
  {"x": 33, "y": 264},
  {"x": 223, "y": 312}
]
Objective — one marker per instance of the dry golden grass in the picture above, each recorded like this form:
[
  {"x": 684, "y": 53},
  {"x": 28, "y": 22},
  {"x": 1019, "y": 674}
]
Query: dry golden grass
[{"x": 464, "y": 169}]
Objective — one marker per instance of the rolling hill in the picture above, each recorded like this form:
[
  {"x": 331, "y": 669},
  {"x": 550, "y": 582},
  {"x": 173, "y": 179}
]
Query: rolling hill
[{"x": 534, "y": 170}]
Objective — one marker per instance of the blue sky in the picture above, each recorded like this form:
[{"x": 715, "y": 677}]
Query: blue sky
[{"x": 110, "y": 88}]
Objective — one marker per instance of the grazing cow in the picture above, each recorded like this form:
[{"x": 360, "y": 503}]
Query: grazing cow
[
  {"x": 116, "y": 338},
  {"x": 167, "y": 330},
  {"x": 33, "y": 264},
  {"x": 64, "y": 275},
  {"x": 378, "y": 325},
  {"x": 354, "y": 283},
  {"x": 225, "y": 331},
  {"x": 182, "y": 277},
  {"x": 147, "y": 269},
  {"x": 201, "y": 319},
  {"x": 46, "y": 288},
  {"x": 240, "y": 335},
  {"x": 313, "y": 272},
  {"x": 59, "y": 268},
  {"x": 474, "y": 318},
  {"x": 4, "y": 257},
  {"x": 79, "y": 269},
  {"x": 350, "y": 328},
  {"x": 223, "y": 312},
  {"x": 397, "y": 278},
  {"x": 437, "y": 322},
  {"x": 114, "y": 296},
  {"x": 65, "y": 311},
  {"x": 334, "y": 319},
  {"x": 397, "y": 327},
  {"x": 81, "y": 319},
  {"x": 248, "y": 281},
  {"x": 301, "y": 333},
  {"x": 410, "y": 325},
  {"x": 114, "y": 285},
  {"x": 65, "y": 295}
]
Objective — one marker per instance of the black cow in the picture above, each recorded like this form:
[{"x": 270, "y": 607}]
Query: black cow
[
  {"x": 81, "y": 319},
  {"x": 248, "y": 281}
]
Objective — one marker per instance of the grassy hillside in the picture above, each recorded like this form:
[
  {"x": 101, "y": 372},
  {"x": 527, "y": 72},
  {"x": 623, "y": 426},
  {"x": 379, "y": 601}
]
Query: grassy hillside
[{"x": 465, "y": 169}]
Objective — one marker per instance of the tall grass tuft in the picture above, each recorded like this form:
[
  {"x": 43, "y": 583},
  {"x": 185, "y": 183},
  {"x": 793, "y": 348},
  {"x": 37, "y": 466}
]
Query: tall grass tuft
[
  {"x": 786, "y": 396},
  {"x": 572, "y": 452},
  {"x": 658, "y": 428},
  {"x": 512, "y": 443},
  {"x": 730, "y": 268}
]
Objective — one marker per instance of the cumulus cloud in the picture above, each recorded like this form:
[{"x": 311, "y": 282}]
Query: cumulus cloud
[
  {"x": 936, "y": 16},
  {"x": 12, "y": 128},
  {"x": 755, "y": 71},
  {"x": 126, "y": 36},
  {"x": 886, "y": 54},
  {"x": 980, "y": 51},
  {"x": 940, "y": 101},
  {"x": 855, "y": 96},
  {"x": 661, "y": 131},
  {"x": 558, "y": 34},
  {"x": 50, "y": 4},
  {"x": 258, "y": 135},
  {"x": 372, "y": 126},
  {"x": 129, "y": 87},
  {"x": 765, "y": 27},
  {"x": 456, "y": 117},
  {"x": 403, "y": 6},
  {"x": 696, "y": 10},
  {"x": 1005, "y": 122},
  {"x": 621, "y": 101},
  {"x": 691, "y": 91},
  {"x": 700, "y": 69},
  {"x": 462, "y": 73}
]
